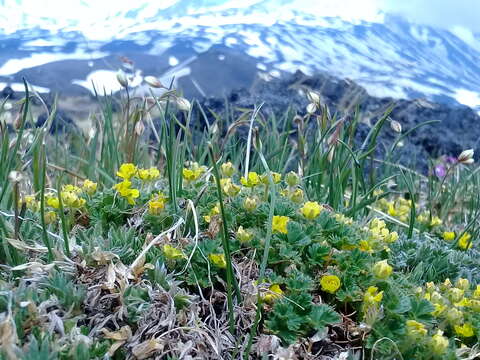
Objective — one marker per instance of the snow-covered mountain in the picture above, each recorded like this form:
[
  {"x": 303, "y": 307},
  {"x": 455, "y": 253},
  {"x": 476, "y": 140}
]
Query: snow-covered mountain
[{"x": 384, "y": 53}]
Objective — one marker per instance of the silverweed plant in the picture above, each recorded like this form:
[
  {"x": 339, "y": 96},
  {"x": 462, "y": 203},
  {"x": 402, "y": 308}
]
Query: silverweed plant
[{"x": 153, "y": 237}]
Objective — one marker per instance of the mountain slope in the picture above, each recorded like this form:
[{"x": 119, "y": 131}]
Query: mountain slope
[{"x": 387, "y": 55}]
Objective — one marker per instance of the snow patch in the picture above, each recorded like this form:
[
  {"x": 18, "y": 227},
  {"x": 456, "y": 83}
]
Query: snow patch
[{"x": 173, "y": 61}]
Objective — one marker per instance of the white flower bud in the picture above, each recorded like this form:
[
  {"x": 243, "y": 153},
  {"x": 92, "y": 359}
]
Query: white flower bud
[
  {"x": 15, "y": 177},
  {"x": 396, "y": 126},
  {"x": 153, "y": 81},
  {"x": 122, "y": 78},
  {"x": 313, "y": 97},
  {"x": 183, "y": 104},
  {"x": 311, "y": 108},
  {"x": 466, "y": 157}
]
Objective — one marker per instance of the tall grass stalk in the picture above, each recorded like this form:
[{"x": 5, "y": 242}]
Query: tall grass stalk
[{"x": 231, "y": 281}]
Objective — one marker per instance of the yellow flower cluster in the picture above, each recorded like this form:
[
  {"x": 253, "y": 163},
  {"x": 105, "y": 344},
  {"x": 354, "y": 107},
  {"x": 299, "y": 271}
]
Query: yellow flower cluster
[
  {"x": 416, "y": 330},
  {"x": 276, "y": 177},
  {"x": 398, "y": 208},
  {"x": 295, "y": 195},
  {"x": 213, "y": 212},
  {"x": 148, "y": 174},
  {"x": 378, "y": 236},
  {"x": 193, "y": 171},
  {"x": 465, "y": 241},
  {"x": 425, "y": 219},
  {"x": 456, "y": 305},
  {"x": 372, "y": 296}
]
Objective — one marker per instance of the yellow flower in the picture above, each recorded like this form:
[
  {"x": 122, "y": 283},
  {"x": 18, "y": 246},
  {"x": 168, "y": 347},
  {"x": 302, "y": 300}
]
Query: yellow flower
[
  {"x": 474, "y": 305},
  {"x": 156, "y": 205},
  {"x": 476, "y": 293},
  {"x": 439, "y": 309},
  {"x": 330, "y": 283},
  {"x": 149, "y": 174},
  {"x": 448, "y": 235},
  {"x": 50, "y": 217},
  {"x": 439, "y": 343},
  {"x": 214, "y": 211},
  {"x": 464, "y": 242},
  {"x": 229, "y": 188},
  {"x": 127, "y": 192},
  {"x": 391, "y": 237},
  {"x": 436, "y": 221},
  {"x": 372, "y": 296},
  {"x": 53, "y": 202},
  {"x": 382, "y": 270},
  {"x": 364, "y": 245},
  {"x": 376, "y": 223},
  {"x": 243, "y": 235},
  {"x": 71, "y": 188},
  {"x": 274, "y": 292},
  {"x": 126, "y": 171},
  {"x": 89, "y": 187},
  {"x": 32, "y": 203},
  {"x": 276, "y": 177},
  {"x": 343, "y": 219},
  {"x": 297, "y": 196},
  {"x": 252, "y": 179},
  {"x": 70, "y": 199},
  {"x": 463, "y": 284},
  {"x": 311, "y": 209},
  {"x": 218, "y": 260},
  {"x": 227, "y": 169},
  {"x": 279, "y": 224},
  {"x": 250, "y": 204},
  {"x": 455, "y": 294},
  {"x": 292, "y": 179},
  {"x": 466, "y": 330},
  {"x": 416, "y": 329},
  {"x": 193, "y": 172},
  {"x": 454, "y": 316},
  {"x": 172, "y": 253}
]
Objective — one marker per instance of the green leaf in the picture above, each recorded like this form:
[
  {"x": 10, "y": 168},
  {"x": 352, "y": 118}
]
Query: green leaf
[
  {"x": 421, "y": 310},
  {"x": 322, "y": 315}
]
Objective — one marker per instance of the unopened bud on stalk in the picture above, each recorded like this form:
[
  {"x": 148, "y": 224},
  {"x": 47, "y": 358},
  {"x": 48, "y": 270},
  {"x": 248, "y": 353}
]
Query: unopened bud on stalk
[
  {"x": 396, "y": 126},
  {"x": 122, "y": 78},
  {"x": 311, "y": 108},
  {"x": 153, "y": 81},
  {"x": 17, "y": 123},
  {"x": 139, "y": 128},
  {"x": 183, "y": 104},
  {"x": 15, "y": 177},
  {"x": 292, "y": 179},
  {"x": 466, "y": 157}
]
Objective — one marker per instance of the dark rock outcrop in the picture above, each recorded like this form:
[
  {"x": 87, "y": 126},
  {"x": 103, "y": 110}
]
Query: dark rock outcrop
[{"x": 458, "y": 127}]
